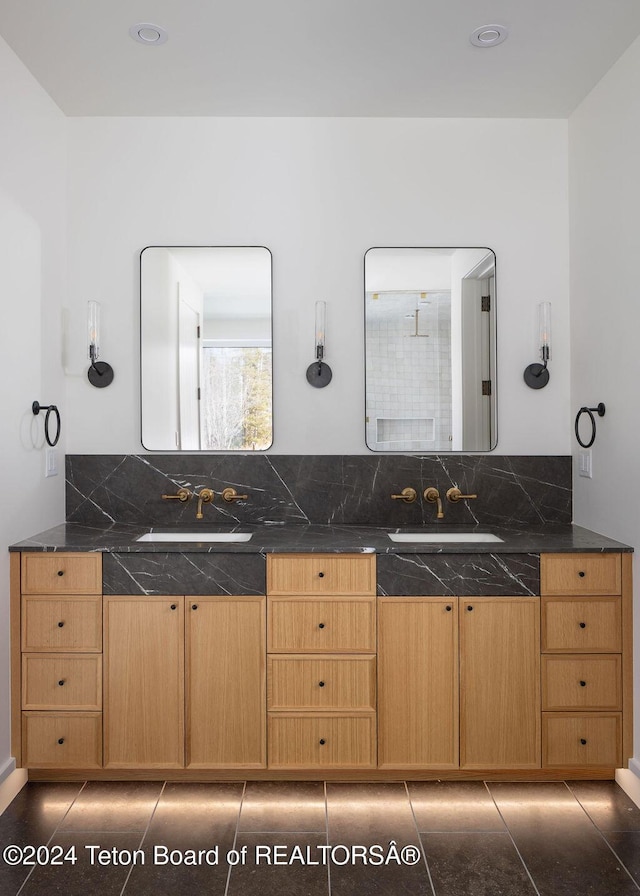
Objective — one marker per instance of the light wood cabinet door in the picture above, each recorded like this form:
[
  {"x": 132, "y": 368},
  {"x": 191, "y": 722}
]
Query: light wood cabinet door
[
  {"x": 317, "y": 574},
  {"x": 588, "y": 739},
  {"x": 417, "y": 682},
  {"x": 581, "y": 625},
  {"x": 61, "y": 681},
  {"x": 328, "y": 625},
  {"x": 580, "y": 574},
  {"x": 580, "y": 682},
  {"x": 144, "y": 682},
  {"x": 499, "y": 682},
  {"x": 69, "y": 740},
  {"x": 62, "y": 624},
  {"x": 316, "y": 682},
  {"x": 226, "y": 669},
  {"x": 61, "y": 573},
  {"x": 330, "y": 740}
]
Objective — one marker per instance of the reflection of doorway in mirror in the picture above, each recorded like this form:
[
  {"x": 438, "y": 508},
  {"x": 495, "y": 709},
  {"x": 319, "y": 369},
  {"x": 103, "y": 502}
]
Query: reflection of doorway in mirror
[{"x": 188, "y": 375}]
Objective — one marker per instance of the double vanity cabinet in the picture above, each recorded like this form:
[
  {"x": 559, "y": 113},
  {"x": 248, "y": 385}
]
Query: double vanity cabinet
[{"x": 323, "y": 675}]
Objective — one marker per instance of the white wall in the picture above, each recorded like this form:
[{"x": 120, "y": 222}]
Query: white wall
[
  {"x": 319, "y": 193},
  {"x": 32, "y": 278},
  {"x": 604, "y": 156}
]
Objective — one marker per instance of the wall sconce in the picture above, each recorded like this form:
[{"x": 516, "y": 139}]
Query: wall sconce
[
  {"x": 100, "y": 374},
  {"x": 536, "y": 376},
  {"x": 319, "y": 374}
]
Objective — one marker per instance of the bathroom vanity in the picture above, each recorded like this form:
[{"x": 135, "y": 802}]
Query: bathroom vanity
[{"x": 316, "y": 653}]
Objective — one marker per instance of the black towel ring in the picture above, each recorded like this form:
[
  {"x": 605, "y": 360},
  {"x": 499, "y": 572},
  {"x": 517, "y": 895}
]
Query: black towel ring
[
  {"x": 36, "y": 407},
  {"x": 600, "y": 412}
]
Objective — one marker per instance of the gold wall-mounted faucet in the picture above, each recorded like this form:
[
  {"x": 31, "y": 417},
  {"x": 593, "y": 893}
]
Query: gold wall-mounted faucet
[
  {"x": 454, "y": 495},
  {"x": 408, "y": 495},
  {"x": 230, "y": 494},
  {"x": 205, "y": 496},
  {"x": 432, "y": 495},
  {"x": 183, "y": 494}
]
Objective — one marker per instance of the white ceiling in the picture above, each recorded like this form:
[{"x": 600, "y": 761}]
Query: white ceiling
[{"x": 319, "y": 57}]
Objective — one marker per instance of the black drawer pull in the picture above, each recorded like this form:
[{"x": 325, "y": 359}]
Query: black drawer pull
[
  {"x": 448, "y": 608},
  {"x": 321, "y": 575},
  {"x": 583, "y": 624},
  {"x": 582, "y": 574},
  {"x": 322, "y": 740},
  {"x": 321, "y": 684},
  {"x": 321, "y": 625},
  {"x": 583, "y": 741},
  {"x": 173, "y": 607},
  {"x": 61, "y": 625},
  {"x": 583, "y": 684},
  {"x": 194, "y": 606},
  {"x": 61, "y": 682},
  {"x": 469, "y": 608},
  {"x": 61, "y": 740},
  {"x": 61, "y": 572}
]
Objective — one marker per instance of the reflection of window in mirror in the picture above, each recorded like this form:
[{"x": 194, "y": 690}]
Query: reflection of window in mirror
[
  {"x": 206, "y": 360},
  {"x": 430, "y": 349}
]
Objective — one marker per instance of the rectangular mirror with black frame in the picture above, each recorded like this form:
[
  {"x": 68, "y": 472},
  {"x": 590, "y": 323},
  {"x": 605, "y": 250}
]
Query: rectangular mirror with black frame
[
  {"x": 430, "y": 349},
  {"x": 206, "y": 348}
]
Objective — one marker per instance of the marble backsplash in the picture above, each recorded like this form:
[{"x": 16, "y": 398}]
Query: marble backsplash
[{"x": 517, "y": 492}]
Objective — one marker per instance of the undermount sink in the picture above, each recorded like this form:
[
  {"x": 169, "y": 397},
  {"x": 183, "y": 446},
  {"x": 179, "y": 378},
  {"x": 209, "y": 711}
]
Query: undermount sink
[
  {"x": 213, "y": 537},
  {"x": 443, "y": 537}
]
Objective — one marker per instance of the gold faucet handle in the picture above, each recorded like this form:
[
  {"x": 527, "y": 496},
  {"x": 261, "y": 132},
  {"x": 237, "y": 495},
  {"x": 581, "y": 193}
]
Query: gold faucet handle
[
  {"x": 183, "y": 494},
  {"x": 408, "y": 495},
  {"x": 230, "y": 494},
  {"x": 454, "y": 495}
]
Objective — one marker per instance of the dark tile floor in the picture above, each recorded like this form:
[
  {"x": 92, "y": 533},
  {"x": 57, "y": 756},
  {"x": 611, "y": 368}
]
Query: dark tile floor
[{"x": 314, "y": 839}]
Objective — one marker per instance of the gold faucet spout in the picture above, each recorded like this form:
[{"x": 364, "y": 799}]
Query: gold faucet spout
[
  {"x": 204, "y": 497},
  {"x": 432, "y": 495}
]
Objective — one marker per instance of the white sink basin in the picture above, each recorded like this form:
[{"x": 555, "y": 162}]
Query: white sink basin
[
  {"x": 443, "y": 537},
  {"x": 214, "y": 537}
]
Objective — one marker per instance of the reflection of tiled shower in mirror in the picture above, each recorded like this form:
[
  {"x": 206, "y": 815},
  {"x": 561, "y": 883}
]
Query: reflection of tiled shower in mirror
[{"x": 408, "y": 349}]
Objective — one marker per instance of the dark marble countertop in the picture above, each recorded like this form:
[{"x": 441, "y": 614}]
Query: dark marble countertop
[{"x": 317, "y": 538}]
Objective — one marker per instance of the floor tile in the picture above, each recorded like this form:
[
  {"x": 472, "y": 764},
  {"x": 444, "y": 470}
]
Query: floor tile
[
  {"x": 373, "y": 815},
  {"x": 280, "y": 864},
  {"x": 563, "y": 851},
  {"x": 607, "y": 804},
  {"x": 192, "y": 829},
  {"x": 31, "y": 819},
  {"x": 476, "y": 864},
  {"x": 113, "y": 806},
  {"x": 85, "y": 877},
  {"x": 454, "y": 806},
  {"x": 626, "y": 845},
  {"x": 283, "y": 806},
  {"x": 368, "y": 812}
]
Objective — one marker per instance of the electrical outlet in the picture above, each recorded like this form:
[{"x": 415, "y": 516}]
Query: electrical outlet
[
  {"x": 584, "y": 468},
  {"x": 51, "y": 462}
]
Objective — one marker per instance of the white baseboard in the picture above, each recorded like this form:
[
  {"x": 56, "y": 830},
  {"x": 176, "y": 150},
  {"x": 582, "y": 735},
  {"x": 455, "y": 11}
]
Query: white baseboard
[
  {"x": 629, "y": 780},
  {"x": 11, "y": 786}
]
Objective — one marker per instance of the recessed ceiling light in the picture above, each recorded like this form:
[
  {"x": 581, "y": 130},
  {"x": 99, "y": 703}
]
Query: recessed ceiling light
[
  {"x": 146, "y": 33},
  {"x": 489, "y": 35}
]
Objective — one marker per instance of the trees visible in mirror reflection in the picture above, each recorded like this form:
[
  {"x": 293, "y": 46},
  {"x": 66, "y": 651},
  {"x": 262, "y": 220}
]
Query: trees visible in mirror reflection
[{"x": 236, "y": 398}]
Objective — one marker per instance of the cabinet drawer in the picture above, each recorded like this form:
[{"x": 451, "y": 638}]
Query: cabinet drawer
[
  {"x": 62, "y": 740},
  {"x": 328, "y": 741},
  {"x": 331, "y": 625},
  {"x": 61, "y": 681},
  {"x": 62, "y": 624},
  {"x": 61, "y": 573},
  {"x": 592, "y": 681},
  {"x": 318, "y": 574},
  {"x": 322, "y": 682},
  {"x": 581, "y": 625},
  {"x": 572, "y": 739},
  {"x": 580, "y": 574}
]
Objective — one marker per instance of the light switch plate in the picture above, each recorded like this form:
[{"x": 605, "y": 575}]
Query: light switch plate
[
  {"x": 51, "y": 462},
  {"x": 584, "y": 468}
]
